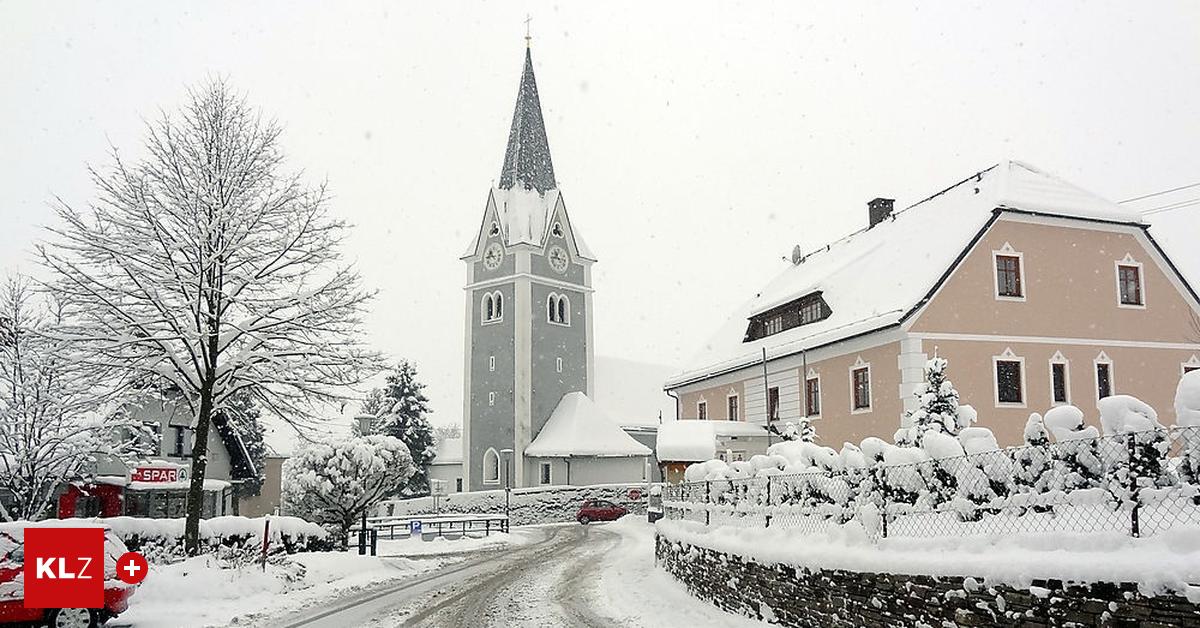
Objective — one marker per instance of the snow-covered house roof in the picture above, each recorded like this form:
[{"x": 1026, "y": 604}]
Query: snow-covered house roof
[
  {"x": 876, "y": 277},
  {"x": 695, "y": 440},
  {"x": 449, "y": 451},
  {"x": 578, "y": 427}
]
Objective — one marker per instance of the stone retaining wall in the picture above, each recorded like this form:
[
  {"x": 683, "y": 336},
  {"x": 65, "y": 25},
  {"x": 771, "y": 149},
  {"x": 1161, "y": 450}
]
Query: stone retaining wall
[{"x": 792, "y": 596}]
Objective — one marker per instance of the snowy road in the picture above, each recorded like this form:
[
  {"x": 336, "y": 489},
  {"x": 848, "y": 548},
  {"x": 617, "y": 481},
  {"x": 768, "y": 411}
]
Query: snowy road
[{"x": 597, "y": 575}]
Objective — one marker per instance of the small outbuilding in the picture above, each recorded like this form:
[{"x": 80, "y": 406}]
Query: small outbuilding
[{"x": 581, "y": 445}]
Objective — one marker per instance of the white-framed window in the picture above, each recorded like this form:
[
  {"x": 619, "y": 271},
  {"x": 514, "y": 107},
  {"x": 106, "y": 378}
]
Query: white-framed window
[
  {"x": 558, "y": 364},
  {"x": 702, "y": 410},
  {"x": 491, "y": 308},
  {"x": 773, "y": 325},
  {"x": 544, "y": 476},
  {"x": 1008, "y": 274},
  {"x": 733, "y": 408},
  {"x": 1103, "y": 367},
  {"x": 812, "y": 394},
  {"x": 558, "y": 309},
  {"x": 492, "y": 363},
  {"x": 491, "y": 467},
  {"x": 772, "y": 404},
  {"x": 1060, "y": 380},
  {"x": 491, "y": 398},
  {"x": 1131, "y": 289},
  {"x": 1008, "y": 370},
  {"x": 860, "y": 386}
]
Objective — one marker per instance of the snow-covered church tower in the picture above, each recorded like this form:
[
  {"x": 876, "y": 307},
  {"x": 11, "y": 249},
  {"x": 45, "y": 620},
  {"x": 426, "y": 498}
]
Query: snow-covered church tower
[{"x": 528, "y": 309}]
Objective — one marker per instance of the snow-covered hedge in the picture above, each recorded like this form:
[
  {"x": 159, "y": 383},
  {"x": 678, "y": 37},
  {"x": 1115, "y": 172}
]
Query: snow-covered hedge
[
  {"x": 161, "y": 540},
  {"x": 1133, "y": 465}
]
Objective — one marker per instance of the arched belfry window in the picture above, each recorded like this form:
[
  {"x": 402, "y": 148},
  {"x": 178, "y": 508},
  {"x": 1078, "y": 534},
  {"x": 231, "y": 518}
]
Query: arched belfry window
[
  {"x": 558, "y": 309},
  {"x": 491, "y": 467},
  {"x": 492, "y": 307}
]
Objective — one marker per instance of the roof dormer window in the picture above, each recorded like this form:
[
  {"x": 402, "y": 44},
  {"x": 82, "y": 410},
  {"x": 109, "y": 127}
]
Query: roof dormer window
[{"x": 809, "y": 308}]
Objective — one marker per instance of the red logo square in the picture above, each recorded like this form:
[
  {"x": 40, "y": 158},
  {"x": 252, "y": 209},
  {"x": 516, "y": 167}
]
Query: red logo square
[{"x": 64, "y": 567}]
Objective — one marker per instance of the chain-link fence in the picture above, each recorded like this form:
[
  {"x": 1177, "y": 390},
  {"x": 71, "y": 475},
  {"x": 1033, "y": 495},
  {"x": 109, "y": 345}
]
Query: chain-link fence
[{"x": 1139, "y": 483}]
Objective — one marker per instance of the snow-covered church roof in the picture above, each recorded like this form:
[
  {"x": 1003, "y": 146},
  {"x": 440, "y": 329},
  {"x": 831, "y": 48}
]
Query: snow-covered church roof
[
  {"x": 578, "y": 427},
  {"x": 873, "y": 278}
]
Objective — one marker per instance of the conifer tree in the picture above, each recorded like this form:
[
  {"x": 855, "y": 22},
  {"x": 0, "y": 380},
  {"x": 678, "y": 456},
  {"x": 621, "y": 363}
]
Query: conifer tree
[
  {"x": 937, "y": 408},
  {"x": 401, "y": 408}
]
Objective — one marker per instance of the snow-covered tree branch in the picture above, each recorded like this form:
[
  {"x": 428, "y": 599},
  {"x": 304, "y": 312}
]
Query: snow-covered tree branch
[
  {"x": 335, "y": 481},
  {"x": 52, "y": 425},
  {"x": 208, "y": 266}
]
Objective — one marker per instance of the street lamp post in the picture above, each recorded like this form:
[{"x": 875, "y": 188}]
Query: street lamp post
[{"x": 506, "y": 454}]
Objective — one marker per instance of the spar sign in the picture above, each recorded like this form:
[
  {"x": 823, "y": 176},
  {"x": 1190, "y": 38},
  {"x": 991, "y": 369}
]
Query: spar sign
[{"x": 159, "y": 474}]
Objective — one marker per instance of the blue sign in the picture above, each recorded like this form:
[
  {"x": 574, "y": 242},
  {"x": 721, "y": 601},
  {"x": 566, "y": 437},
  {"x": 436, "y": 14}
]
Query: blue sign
[{"x": 414, "y": 528}]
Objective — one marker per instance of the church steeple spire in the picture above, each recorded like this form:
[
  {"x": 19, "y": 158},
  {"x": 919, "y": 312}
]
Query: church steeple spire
[{"x": 527, "y": 159}]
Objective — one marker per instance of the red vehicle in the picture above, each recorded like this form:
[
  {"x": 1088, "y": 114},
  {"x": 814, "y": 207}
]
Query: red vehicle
[
  {"x": 599, "y": 510},
  {"x": 12, "y": 585}
]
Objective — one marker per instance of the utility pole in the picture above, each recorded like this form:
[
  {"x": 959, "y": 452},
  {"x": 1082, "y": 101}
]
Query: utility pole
[
  {"x": 767, "y": 396},
  {"x": 507, "y": 454}
]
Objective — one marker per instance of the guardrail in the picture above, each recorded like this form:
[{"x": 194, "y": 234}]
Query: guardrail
[{"x": 392, "y": 528}]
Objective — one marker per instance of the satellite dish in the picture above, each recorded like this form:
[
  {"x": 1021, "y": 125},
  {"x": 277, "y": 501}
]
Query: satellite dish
[{"x": 797, "y": 255}]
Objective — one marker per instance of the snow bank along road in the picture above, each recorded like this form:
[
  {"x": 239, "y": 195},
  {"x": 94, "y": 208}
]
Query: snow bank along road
[{"x": 596, "y": 575}]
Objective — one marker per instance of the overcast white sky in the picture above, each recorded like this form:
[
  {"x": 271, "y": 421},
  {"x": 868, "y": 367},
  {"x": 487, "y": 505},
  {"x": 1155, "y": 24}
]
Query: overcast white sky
[{"x": 694, "y": 143}]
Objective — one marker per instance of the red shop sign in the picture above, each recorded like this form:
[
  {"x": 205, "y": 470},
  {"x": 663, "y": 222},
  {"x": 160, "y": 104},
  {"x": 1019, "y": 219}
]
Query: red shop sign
[{"x": 156, "y": 474}]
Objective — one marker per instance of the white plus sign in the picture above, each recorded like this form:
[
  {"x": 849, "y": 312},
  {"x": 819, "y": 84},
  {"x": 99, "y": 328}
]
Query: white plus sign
[{"x": 132, "y": 568}]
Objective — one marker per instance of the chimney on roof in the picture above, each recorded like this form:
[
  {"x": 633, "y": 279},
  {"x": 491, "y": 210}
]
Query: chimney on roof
[{"x": 878, "y": 210}]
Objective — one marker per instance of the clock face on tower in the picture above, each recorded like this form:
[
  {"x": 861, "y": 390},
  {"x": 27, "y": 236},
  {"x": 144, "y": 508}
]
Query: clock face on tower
[
  {"x": 558, "y": 259},
  {"x": 493, "y": 256}
]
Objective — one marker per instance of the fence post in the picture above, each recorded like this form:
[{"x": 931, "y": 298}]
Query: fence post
[
  {"x": 266, "y": 540},
  {"x": 1134, "y": 523},
  {"x": 768, "y": 504},
  {"x": 707, "y": 501}
]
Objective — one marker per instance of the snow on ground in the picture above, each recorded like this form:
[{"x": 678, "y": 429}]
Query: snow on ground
[
  {"x": 414, "y": 546},
  {"x": 195, "y": 592},
  {"x": 1166, "y": 562},
  {"x": 632, "y": 588}
]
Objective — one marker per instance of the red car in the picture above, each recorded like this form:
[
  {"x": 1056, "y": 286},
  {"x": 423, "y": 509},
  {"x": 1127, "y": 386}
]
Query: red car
[
  {"x": 599, "y": 510},
  {"x": 12, "y": 585}
]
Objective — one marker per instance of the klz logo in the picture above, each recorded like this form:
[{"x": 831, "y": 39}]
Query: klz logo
[{"x": 64, "y": 567}]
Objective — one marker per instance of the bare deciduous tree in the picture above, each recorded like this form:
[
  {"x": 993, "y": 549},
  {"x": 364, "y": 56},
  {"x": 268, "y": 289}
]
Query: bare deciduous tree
[
  {"x": 52, "y": 425},
  {"x": 206, "y": 265}
]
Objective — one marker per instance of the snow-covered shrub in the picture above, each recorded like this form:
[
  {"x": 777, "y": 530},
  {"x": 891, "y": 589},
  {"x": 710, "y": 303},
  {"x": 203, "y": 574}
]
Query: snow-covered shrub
[
  {"x": 986, "y": 474},
  {"x": 335, "y": 481},
  {"x": 1076, "y": 448},
  {"x": 1137, "y": 448},
  {"x": 941, "y": 472},
  {"x": 1036, "y": 472},
  {"x": 811, "y": 478},
  {"x": 161, "y": 540},
  {"x": 1187, "y": 419}
]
